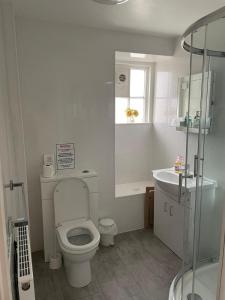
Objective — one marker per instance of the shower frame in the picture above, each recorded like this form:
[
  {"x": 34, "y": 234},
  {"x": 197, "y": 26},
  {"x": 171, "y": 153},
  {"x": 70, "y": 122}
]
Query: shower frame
[{"x": 205, "y": 53}]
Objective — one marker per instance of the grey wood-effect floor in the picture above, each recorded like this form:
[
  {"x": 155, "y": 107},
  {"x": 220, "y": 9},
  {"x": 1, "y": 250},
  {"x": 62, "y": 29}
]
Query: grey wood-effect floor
[{"x": 138, "y": 267}]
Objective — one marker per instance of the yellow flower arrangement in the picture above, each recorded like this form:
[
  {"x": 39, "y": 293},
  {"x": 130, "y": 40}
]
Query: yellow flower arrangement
[
  {"x": 135, "y": 113},
  {"x": 131, "y": 113}
]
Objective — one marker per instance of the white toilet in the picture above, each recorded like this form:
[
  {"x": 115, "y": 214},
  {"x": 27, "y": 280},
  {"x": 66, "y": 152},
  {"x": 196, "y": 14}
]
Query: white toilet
[{"x": 75, "y": 204}]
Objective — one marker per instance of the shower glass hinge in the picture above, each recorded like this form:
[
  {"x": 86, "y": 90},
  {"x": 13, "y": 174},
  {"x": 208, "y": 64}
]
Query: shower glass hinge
[{"x": 13, "y": 185}]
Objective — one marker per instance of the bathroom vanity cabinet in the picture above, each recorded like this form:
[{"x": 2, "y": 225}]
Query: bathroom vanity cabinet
[
  {"x": 168, "y": 220},
  {"x": 170, "y": 213}
]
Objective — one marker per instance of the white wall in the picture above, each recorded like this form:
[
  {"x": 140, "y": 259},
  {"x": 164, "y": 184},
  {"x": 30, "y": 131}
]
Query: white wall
[
  {"x": 133, "y": 152},
  {"x": 168, "y": 143},
  {"x": 67, "y": 88}
]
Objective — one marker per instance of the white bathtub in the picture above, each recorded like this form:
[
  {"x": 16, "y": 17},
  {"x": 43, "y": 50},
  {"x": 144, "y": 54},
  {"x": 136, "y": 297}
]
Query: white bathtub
[{"x": 129, "y": 207}]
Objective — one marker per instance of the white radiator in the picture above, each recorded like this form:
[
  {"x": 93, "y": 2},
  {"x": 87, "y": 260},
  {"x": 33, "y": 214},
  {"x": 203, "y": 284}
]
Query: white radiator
[{"x": 24, "y": 263}]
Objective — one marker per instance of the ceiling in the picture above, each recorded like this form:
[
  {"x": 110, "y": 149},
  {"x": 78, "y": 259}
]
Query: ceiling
[{"x": 158, "y": 17}]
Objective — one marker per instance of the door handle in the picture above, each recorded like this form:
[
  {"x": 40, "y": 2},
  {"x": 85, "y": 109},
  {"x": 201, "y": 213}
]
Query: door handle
[
  {"x": 181, "y": 176},
  {"x": 196, "y": 165},
  {"x": 180, "y": 187},
  {"x": 171, "y": 211},
  {"x": 11, "y": 185}
]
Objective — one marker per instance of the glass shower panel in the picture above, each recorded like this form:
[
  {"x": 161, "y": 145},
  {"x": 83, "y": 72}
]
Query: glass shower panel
[
  {"x": 211, "y": 172},
  {"x": 189, "y": 179},
  {"x": 202, "y": 192},
  {"x": 204, "y": 206},
  {"x": 196, "y": 243}
]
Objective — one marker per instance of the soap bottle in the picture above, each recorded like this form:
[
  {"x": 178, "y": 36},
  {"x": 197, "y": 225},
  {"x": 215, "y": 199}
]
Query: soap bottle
[
  {"x": 179, "y": 165},
  {"x": 182, "y": 164}
]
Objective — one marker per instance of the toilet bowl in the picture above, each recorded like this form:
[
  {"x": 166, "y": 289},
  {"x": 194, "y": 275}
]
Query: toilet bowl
[
  {"x": 75, "y": 205},
  {"x": 78, "y": 240}
]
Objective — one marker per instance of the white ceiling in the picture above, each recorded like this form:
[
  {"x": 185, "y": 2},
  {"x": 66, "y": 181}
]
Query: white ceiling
[{"x": 160, "y": 17}]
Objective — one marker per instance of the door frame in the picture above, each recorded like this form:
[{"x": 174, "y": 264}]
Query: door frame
[
  {"x": 5, "y": 281},
  {"x": 221, "y": 286}
]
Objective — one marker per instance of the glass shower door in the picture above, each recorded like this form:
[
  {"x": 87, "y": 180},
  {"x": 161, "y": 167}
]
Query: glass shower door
[
  {"x": 195, "y": 137},
  {"x": 211, "y": 172},
  {"x": 203, "y": 208},
  {"x": 204, "y": 192}
]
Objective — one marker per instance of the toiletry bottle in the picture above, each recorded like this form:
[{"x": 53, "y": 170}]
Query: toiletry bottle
[
  {"x": 182, "y": 165},
  {"x": 188, "y": 120},
  {"x": 177, "y": 164},
  {"x": 196, "y": 119}
]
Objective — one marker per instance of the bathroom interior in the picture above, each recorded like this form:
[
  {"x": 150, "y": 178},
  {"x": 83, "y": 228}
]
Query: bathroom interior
[{"x": 112, "y": 170}]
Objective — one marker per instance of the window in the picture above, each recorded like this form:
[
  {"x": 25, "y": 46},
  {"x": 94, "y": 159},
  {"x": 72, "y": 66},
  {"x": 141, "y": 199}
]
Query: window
[{"x": 132, "y": 94}]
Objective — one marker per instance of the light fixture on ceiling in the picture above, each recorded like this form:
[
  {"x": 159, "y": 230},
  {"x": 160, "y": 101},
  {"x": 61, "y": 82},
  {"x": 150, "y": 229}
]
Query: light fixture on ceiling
[
  {"x": 111, "y": 2},
  {"x": 138, "y": 55}
]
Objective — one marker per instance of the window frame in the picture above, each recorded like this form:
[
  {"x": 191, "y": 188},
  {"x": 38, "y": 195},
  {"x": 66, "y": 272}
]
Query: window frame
[{"x": 149, "y": 86}]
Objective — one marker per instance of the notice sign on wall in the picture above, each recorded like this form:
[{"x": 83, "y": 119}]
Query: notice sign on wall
[{"x": 65, "y": 156}]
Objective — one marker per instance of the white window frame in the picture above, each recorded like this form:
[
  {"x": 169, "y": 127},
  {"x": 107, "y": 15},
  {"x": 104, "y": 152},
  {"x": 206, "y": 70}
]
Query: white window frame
[{"x": 149, "y": 90}]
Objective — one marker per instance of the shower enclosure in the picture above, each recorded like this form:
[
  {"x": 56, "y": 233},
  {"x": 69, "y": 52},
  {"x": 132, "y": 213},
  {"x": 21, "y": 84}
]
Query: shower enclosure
[{"x": 205, "y": 154}]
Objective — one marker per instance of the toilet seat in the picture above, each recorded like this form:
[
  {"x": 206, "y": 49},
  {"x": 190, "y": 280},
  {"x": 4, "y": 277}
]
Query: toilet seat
[{"x": 64, "y": 229}]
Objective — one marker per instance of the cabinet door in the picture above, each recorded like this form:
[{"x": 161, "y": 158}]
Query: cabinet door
[
  {"x": 161, "y": 216},
  {"x": 175, "y": 233},
  {"x": 168, "y": 221}
]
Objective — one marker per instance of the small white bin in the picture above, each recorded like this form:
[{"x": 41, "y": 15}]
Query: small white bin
[{"x": 107, "y": 229}]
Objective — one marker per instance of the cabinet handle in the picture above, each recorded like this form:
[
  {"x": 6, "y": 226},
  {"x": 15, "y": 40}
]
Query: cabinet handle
[
  {"x": 171, "y": 211},
  {"x": 165, "y": 206}
]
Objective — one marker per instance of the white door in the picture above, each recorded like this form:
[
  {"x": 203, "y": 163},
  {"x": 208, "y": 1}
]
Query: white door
[
  {"x": 7, "y": 172},
  {"x": 6, "y": 291},
  {"x": 10, "y": 145}
]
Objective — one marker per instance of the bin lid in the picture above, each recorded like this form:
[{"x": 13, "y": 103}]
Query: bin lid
[{"x": 107, "y": 222}]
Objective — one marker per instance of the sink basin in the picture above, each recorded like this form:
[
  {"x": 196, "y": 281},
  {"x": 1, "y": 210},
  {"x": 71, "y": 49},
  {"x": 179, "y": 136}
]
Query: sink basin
[
  {"x": 167, "y": 176},
  {"x": 168, "y": 181}
]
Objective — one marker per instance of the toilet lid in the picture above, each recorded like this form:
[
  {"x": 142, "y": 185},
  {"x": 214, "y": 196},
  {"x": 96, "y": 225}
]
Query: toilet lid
[{"x": 71, "y": 200}]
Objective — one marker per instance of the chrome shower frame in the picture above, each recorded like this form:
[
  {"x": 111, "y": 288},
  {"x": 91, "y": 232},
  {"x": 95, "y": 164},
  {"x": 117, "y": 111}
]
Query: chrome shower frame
[
  {"x": 203, "y": 22},
  {"x": 214, "y": 16}
]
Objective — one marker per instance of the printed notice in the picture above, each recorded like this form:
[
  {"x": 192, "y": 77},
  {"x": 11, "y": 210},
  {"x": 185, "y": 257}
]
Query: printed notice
[{"x": 65, "y": 156}]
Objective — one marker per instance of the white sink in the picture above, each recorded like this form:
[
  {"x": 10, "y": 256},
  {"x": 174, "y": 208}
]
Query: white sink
[
  {"x": 168, "y": 180},
  {"x": 167, "y": 176}
]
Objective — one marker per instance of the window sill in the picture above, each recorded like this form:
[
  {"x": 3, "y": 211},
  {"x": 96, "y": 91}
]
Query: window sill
[{"x": 143, "y": 123}]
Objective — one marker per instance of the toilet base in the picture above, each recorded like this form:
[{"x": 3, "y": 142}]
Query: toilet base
[{"x": 78, "y": 274}]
